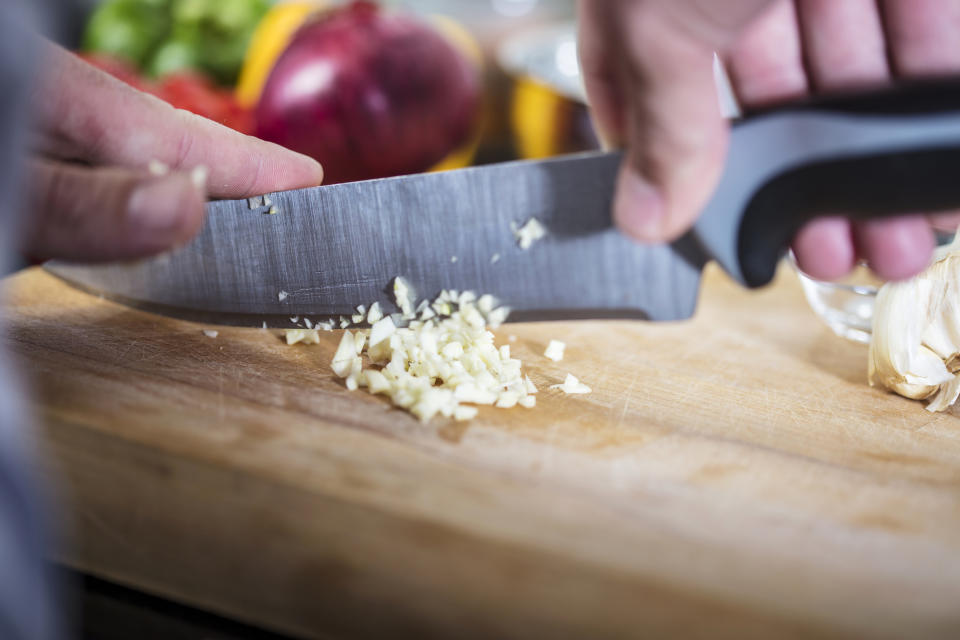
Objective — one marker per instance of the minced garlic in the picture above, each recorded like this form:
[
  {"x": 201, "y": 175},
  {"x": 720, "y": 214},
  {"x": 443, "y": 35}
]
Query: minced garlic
[
  {"x": 436, "y": 365},
  {"x": 530, "y": 232},
  {"x": 304, "y": 336},
  {"x": 401, "y": 293},
  {"x": 572, "y": 386},
  {"x": 374, "y": 314},
  {"x": 555, "y": 350}
]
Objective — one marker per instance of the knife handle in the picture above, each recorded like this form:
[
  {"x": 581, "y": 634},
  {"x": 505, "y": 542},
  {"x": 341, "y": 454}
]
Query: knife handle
[{"x": 889, "y": 152}]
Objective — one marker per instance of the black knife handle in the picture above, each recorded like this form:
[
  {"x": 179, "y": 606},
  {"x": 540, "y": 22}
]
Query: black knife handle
[
  {"x": 868, "y": 186},
  {"x": 888, "y": 152},
  {"x": 918, "y": 96}
]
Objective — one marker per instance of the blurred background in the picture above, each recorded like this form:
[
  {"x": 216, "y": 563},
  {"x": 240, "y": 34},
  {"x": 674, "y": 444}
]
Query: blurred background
[{"x": 369, "y": 89}]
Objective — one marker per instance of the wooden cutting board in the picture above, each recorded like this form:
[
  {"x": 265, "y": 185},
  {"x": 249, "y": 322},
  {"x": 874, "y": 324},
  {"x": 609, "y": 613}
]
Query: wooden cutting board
[{"x": 730, "y": 476}]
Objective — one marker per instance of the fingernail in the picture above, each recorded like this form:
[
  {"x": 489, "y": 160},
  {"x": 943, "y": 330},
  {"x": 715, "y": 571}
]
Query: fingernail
[
  {"x": 638, "y": 207},
  {"x": 158, "y": 209},
  {"x": 316, "y": 169}
]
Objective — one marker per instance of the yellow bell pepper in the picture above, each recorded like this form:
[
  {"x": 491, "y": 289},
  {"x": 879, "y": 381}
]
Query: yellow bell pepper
[
  {"x": 539, "y": 116},
  {"x": 460, "y": 38}
]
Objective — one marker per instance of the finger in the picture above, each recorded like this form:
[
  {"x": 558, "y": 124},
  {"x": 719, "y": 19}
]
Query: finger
[
  {"x": 923, "y": 36},
  {"x": 766, "y": 63},
  {"x": 79, "y": 213},
  {"x": 767, "y": 67},
  {"x": 895, "y": 248},
  {"x": 924, "y": 39},
  {"x": 824, "y": 249},
  {"x": 674, "y": 129},
  {"x": 843, "y": 43},
  {"x": 89, "y": 115},
  {"x": 601, "y": 73},
  {"x": 843, "y": 46}
]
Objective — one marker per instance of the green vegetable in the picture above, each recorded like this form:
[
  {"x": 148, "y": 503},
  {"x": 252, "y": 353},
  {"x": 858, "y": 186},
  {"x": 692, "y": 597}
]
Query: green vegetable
[
  {"x": 163, "y": 36},
  {"x": 129, "y": 29}
]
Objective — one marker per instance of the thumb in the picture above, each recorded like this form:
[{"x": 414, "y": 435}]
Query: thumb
[
  {"x": 676, "y": 144},
  {"x": 85, "y": 214},
  {"x": 669, "y": 117},
  {"x": 676, "y": 139}
]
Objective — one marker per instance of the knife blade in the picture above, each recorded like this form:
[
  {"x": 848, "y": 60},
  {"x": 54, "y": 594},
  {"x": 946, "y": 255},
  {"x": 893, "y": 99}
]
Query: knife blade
[{"x": 333, "y": 247}]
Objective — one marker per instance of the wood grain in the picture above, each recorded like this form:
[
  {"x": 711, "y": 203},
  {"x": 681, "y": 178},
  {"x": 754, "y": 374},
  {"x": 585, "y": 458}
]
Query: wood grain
[{"x": 730, "y": 476}]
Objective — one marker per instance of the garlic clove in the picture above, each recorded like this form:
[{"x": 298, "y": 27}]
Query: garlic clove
[{"x": 915, "y": 345}]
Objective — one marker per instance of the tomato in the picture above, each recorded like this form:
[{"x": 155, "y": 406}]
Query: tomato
[{"x": 197, "y": 94}]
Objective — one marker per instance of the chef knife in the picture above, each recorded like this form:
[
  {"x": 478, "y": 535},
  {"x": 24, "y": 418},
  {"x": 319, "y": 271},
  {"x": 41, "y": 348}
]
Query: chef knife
[{"x": 333, "y": 247}]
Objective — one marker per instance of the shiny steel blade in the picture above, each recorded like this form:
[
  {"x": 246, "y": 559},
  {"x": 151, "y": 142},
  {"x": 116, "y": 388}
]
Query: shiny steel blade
[{"x": 335, "y": 247}]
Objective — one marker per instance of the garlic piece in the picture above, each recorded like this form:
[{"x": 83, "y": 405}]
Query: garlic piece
[
  {"x": 498, "y": 316},
  {"x": 915, "y": 344},
  {"x": 554, "y": 350},
  {"x": 305, "y": 336},
  {"x": 530, "y": 232},
  {"x": 528, "y": 384},
  {"x": 401, "y": 293},
  {"x": 463, "y": 413},
  {"x": 571, "y": 385},
  {"x": 343, "y": 358},
  {"x": 211, "y": 333},
  {"x": 374, "y": 315},
  {"x": 381, "y": 331}
]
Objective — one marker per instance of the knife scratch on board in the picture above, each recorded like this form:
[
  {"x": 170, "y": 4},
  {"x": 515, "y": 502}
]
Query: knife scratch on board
[
  {"x": 123, "y": 355},
  {"x": 626, "y": 399}
]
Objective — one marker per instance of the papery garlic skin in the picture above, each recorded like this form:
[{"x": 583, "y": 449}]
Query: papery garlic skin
[{"x": 915, "y": 346}]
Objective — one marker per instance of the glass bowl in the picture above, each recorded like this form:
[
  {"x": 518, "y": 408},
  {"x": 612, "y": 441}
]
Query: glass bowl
[{"x": 846, "y": 306}]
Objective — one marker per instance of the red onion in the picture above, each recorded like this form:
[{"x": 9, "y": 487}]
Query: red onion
[{"x": 369, "y": 94}]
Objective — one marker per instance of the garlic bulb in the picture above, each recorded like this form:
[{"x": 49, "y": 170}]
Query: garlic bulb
[{"x": 915, "y": 348}]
